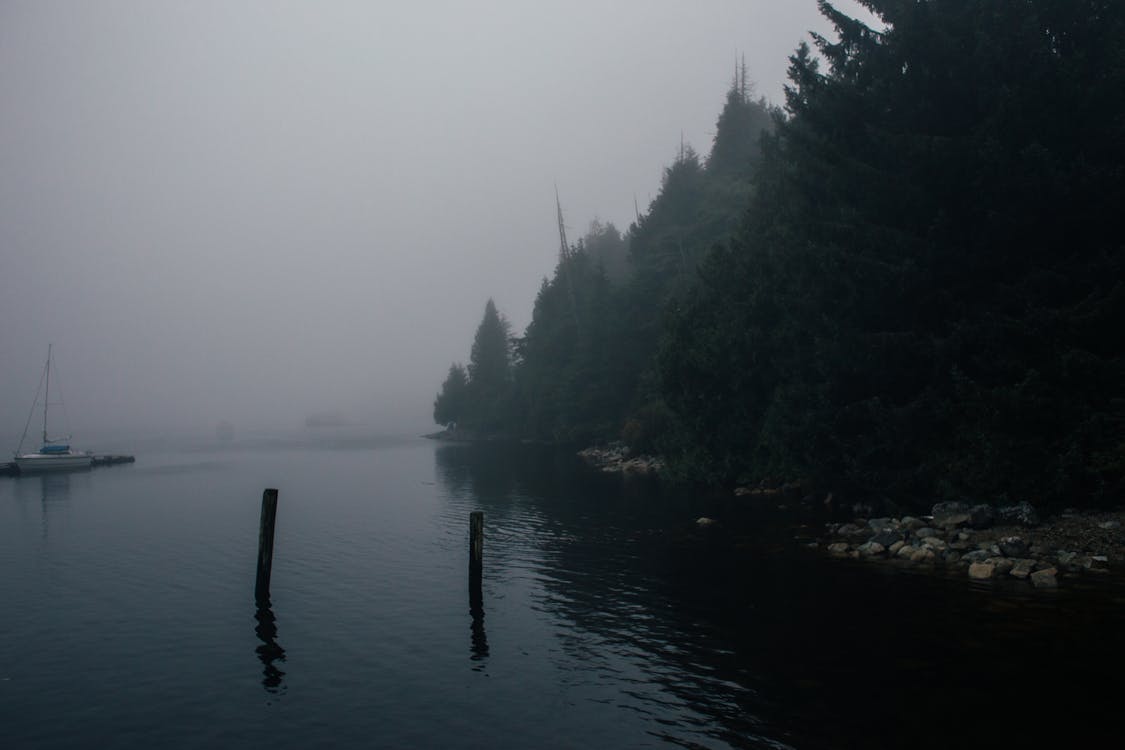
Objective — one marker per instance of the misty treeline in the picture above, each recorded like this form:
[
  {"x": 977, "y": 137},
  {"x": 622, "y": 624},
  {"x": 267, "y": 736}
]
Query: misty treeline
[{"x": 909, "y": 282}]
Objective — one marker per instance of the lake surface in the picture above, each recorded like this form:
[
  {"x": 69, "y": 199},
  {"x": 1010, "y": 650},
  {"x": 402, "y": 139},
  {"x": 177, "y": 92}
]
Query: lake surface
[{"x": 605, "y": 618}]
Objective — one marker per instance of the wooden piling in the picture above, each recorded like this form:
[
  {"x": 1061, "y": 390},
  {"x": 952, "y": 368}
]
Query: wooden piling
[
  {"x": 265, "y": 547},
  {"x": 476, "y": 542}
]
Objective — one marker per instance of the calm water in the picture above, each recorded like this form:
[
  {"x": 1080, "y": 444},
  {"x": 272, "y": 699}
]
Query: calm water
[{"x": 605, "y": 619}]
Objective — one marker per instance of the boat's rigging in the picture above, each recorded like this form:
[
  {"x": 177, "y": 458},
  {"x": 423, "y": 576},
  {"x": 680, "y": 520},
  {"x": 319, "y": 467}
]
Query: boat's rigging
[
  {"x": 34, "y": 403},
  {"x": 60, "y": 403},
  {"x": 44, "y": 379}
]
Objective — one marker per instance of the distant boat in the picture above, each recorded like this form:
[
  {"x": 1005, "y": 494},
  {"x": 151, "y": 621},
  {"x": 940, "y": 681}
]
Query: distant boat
[{"x": 54, "y": 454}]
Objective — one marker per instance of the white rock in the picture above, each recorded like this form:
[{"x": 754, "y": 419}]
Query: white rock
[
  {"x": 982, "y": 570},
  {"x": 922, "y": 554}
]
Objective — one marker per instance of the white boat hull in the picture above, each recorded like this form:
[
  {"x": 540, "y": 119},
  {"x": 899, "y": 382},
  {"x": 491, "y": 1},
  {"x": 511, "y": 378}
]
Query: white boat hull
[{"x": 37, "y": 463}]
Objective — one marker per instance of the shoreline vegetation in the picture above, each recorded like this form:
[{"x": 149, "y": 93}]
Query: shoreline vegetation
[{"x": 906, "y": 283}]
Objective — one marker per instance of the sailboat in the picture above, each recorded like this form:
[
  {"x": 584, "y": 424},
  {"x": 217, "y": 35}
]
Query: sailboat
[{"x": 54, "y": 454}]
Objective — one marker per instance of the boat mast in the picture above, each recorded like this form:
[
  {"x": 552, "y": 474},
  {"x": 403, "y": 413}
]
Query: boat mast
[{"x": 47, "y": 394}]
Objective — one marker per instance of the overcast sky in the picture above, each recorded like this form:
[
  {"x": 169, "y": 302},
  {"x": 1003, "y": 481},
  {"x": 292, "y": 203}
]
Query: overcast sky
[{"x": 256, "y": 211}]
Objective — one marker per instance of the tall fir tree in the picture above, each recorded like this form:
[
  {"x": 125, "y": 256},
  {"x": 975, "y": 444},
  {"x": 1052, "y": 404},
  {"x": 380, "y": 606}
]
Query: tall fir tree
[
  {"x": 921, "y": 299},
  {"x": 449, "y": 405},
  {"x": 489, "y": 387},
  {"x": 490, "y": 358}
]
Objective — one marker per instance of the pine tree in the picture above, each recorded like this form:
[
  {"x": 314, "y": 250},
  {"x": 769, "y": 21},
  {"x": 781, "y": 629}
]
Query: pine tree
[
  {"x": 451, "y": 400},
  {"x": 738, "y": 132},
  {"x": 490, "y": 359},
  {"x": 922, "y": 298},
  {"x": 488, "y": 395}
]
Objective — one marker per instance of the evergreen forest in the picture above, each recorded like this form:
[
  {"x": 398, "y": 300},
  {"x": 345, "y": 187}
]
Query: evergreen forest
[{"x": 906, "y": 282}]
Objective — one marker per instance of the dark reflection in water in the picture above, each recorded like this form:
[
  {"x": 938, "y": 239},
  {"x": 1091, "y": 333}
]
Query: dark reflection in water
[
  {"x": 54, "y": 487},
  {"x": 479, "y": 639},
  {"x": 270, "y": 651},
  {"x": 54, "y": 491},
  {"x": 736, "y": 636},
  {"x": 600, "y": 546}
]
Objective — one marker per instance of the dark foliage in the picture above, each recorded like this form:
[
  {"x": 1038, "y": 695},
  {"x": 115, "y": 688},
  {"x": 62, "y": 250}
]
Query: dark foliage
[
  {"x": 449, "y": 406},
  {"x": 488, "y": 391},
  {"x": 925, "y": 296},
  {"x": 913, "y": 284}
]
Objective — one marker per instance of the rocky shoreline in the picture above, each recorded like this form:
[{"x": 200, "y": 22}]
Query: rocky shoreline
[
  {"x": 616, "y": 458},
  {"x": 984, "y": 542},
  {"x": 988, "y": 542},
  {"x": 459, "y": 435}
]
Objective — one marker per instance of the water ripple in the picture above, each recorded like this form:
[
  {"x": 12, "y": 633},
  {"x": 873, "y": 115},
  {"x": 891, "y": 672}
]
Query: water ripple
[{"x": 599, "y": 620}]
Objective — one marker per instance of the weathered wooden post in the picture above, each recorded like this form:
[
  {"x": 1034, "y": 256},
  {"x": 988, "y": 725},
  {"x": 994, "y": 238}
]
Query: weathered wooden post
[
  {"x": 476, "y": 543},
  {"x": 265, "y": 547}
]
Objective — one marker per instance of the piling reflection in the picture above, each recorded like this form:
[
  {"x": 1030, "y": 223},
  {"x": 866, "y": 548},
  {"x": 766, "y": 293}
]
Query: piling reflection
[
  {"x": 478, "y": 647},
  {"x": 270, "y": 651},
  {"x": 604, "y": 562}
]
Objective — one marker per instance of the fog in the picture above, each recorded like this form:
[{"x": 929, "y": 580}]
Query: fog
[{"x": 258, "y": 211}]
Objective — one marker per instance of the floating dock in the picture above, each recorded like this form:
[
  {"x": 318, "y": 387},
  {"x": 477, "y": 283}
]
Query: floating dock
[
  {"x": 11, "y": 470},
  {"x": 110, "y": 460}
]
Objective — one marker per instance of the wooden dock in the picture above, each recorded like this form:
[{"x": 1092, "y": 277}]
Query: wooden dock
[
  {"x": 10, "y": 469},
  {"x": 110, "y": 460}
]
